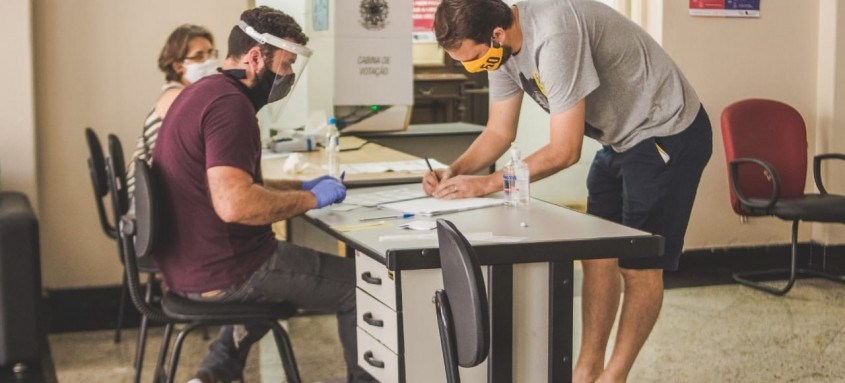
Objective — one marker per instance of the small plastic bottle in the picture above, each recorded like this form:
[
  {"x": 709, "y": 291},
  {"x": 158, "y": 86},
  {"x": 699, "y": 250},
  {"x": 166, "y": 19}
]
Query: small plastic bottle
[
  {"x": 332, "y": 147},
  {"x": 516, "y": 179}
]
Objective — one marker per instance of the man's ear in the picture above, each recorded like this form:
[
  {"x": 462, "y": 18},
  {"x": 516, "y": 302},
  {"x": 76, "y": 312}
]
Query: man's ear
[
  {"x": 499, "y": 35},
  {"x": 254, "y": 58}
]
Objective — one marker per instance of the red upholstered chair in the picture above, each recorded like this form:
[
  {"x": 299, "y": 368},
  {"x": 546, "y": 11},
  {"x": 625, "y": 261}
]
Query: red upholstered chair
[{"x": 766, "y": 151}]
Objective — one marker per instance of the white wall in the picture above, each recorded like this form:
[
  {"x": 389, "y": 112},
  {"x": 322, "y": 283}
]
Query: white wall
[
  {"x": 830, "y": 137},
  {"x": 775, "y": 56},
  {"x": 17, "y": 125},
  {"x": 95, "y": 65}
]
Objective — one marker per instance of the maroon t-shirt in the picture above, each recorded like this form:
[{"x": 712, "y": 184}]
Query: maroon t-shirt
[{"x": 211, "y": 123}]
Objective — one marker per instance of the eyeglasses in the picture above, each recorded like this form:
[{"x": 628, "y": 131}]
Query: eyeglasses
[{"x": 203, "y": 55}]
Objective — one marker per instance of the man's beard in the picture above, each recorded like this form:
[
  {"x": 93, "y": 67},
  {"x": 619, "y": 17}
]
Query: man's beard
[{"x": 507, "y": 52}]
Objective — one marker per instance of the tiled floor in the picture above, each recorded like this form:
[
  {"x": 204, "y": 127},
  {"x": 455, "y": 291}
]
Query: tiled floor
[
  {"x": 725, "y": 333},
  {"x": 86, "y": 357}
]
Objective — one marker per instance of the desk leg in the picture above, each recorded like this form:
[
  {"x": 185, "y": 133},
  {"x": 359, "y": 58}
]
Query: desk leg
[
  {"x": 289, "y": 231},
  {"x": 560, "y": 321},
  {"x": 500, "y": 298}
]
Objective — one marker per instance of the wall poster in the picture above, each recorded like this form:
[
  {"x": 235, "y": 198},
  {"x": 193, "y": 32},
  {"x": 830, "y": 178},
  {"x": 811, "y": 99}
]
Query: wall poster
[
  {"x": 423, "y": 14},
  {"x": 725, "y": 8}
]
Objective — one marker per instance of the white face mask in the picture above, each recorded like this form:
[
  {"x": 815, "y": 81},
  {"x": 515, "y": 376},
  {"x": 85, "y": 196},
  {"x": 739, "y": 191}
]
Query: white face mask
[{"x": 196, "y": 71}]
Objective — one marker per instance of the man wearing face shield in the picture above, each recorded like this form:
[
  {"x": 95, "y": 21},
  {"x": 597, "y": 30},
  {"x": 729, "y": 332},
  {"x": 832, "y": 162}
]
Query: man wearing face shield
[
  {"x": 219, "y": 245},
  {"x": 597, "y": 74}
]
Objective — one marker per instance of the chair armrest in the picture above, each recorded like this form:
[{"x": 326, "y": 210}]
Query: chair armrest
[
  {"x": 817, "y": 167},
  {"x": 734, "y": 173}
]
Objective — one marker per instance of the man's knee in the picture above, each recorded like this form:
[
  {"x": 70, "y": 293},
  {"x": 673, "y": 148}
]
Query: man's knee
[
  {"x": 643, "y": 276},
  {"x": 600, "y": 265}
]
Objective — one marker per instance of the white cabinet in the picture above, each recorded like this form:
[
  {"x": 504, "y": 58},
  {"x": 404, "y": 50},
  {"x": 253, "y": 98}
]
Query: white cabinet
[{"x": 398, "y": 339}]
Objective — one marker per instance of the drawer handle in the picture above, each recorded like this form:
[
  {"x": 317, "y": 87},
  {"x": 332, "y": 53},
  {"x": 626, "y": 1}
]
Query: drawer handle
[
  {"x": 368, "y": 357},
  {"x": 426, "y": 92},
  {"x": 368, "y": 317},
  {"x": 367, "y": 277}
]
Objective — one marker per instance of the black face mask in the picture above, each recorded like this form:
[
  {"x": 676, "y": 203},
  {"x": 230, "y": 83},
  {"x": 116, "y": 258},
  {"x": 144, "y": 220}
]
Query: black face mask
[
  {"x": 269, "y": 88},
  {"x": 260, "y": 92}
]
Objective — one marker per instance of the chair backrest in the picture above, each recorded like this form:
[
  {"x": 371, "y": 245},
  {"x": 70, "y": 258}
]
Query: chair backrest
[
  {"x": 137, "y": 237},
  {"x": 97, "y": 171},
  {"x": 771, "y": 131},
  {"x": 119, "y": 172},
  {"x": 147, "y": 210},
  {"x": 467, "y": 296}
]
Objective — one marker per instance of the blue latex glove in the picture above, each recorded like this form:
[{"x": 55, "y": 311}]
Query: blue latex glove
[
  {"x": 309, "y": 184},
  {"x": 328, "y": 191}
]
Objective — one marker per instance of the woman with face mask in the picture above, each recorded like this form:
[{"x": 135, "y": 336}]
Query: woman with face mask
[{"x": 187, "y": 56}]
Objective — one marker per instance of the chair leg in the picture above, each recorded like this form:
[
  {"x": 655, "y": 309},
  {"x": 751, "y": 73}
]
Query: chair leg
[
  {"x": 750, "y": 279},
  {"x": 142, "y": 330},
  {"x": 447, "y": 336},
  {"x": 286, "y": 352},
  {"x": 120, "y": 307},
  {"x": 162, "y": 354},
  {"x": 177, "y": 349}
]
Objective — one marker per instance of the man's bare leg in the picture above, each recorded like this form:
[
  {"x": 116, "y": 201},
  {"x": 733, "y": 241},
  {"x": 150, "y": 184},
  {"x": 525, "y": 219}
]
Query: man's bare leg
[
  {"x": 640, "y": 309},
  {"x": 599, "y": 301}
]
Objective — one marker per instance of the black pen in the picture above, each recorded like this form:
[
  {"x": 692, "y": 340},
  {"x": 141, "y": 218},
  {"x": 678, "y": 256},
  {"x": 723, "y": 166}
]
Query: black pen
[{"x": 432, "y": 169}]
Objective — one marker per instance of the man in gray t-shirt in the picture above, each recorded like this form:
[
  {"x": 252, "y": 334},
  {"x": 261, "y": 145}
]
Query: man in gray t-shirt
[{"x": 600, "y": 75}]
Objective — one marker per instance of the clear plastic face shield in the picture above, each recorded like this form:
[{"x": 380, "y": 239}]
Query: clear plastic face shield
[{"x": 280, "y": 77}]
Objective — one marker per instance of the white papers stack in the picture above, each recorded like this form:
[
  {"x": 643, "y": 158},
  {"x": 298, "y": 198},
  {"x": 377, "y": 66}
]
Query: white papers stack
[
  {"x": 484, "y": 236},
  {"x": 384, "y": 196},
  {"x": 391, "y": 166},
  {"x": 433, "y": 206}
]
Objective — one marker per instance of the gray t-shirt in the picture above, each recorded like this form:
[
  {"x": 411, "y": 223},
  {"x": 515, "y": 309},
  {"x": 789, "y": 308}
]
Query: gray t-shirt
[{"x": 583, "y": 49}]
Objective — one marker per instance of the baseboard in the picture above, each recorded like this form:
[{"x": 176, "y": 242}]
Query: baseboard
[
  {"x": 715, "y": 266},
  {"x": 95, "y": 308},
  {"x": 88, "y": 309}
]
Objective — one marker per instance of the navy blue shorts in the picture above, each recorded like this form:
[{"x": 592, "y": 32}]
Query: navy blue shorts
[{"x": 638, "y": 188}]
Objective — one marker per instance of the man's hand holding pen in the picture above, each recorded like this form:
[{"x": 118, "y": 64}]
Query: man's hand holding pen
[
  {"x": 441, "y": 184},
  {"x": 433, "y": 178},
  {"x": 463, "y": 186}
]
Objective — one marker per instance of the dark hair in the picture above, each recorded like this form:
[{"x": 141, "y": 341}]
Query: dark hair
[
  {"x": 264, "y": 20},
  {"x": 176, "y": 48},
  {"x": 457, "y": 20}
]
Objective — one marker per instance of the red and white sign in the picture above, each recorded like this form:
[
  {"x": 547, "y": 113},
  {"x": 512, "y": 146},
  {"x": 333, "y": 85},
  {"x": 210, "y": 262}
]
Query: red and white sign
[
  {"x": 725, "y": 8},
  {"x": 423, "y": 15}
]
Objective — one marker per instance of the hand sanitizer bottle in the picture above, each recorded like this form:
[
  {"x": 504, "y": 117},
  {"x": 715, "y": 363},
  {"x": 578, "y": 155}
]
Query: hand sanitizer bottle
[
  {"x": 516, "y": 179},
  {"x": 332, "y": 147}
]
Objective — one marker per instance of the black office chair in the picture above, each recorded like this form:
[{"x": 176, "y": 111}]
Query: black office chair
[
  {"x": 115, "y": 170},
  {"x": 97, "y": 171},
  {"x": 766, "y": 151},
  {"x": 139, "y": 238},
  {"x": 462, "y": 309}
]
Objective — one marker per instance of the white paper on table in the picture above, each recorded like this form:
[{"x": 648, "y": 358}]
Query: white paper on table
[
  {"x": 391, "y": 166},
  {"x": 268, "y": 154},
  {"x": 418, "y": 225},
  {"x": 382, "y": 197},
  {"x": 484, "y": 236},
  {"x": 343, "y": 207},
  {"x": 432, "y": 206}
]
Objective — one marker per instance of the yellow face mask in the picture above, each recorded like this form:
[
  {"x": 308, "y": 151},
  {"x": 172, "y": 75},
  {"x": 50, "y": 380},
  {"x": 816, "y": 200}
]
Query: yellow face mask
[{"x": 490, "y": 61}]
